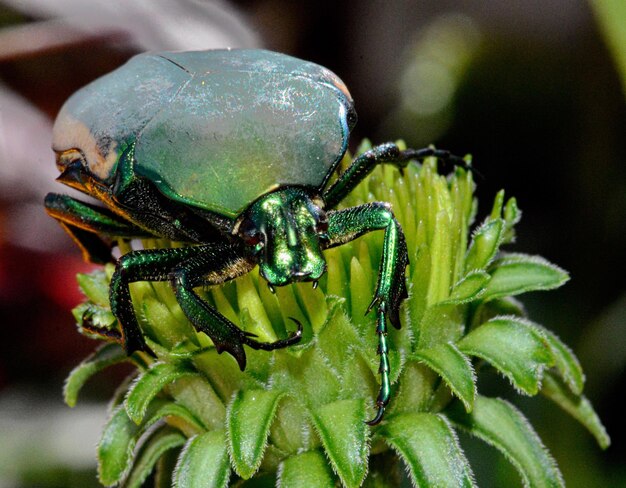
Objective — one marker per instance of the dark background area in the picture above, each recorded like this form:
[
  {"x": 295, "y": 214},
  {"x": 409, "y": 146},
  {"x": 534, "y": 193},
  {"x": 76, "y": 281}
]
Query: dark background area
[{"x": 530, "y": 90}]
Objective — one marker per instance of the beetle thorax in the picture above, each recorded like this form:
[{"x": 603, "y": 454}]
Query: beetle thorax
[{"x": 284, "y": 230}]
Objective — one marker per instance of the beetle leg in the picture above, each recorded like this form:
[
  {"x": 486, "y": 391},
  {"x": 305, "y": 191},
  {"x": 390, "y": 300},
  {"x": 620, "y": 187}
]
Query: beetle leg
[
  {"x": 145, "y": 265},
  {"x": 384, "y": 153},
  {"x": 82, "y": 221},
  {"x": 346, "y": 225},
  {"x": 212, "y": 268}
]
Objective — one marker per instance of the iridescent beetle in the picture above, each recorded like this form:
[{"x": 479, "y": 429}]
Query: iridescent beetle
[{"x": 231, "y": 151}]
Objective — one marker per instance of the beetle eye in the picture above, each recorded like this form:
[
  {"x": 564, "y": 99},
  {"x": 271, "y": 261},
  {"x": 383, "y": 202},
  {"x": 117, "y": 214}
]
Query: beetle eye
[
  {"x": 322, "y": 223},
  {"x": 249, "y": 233}
]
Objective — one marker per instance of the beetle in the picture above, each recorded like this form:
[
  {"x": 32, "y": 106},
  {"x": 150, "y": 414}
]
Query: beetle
[{"x": 231, "y": 152}]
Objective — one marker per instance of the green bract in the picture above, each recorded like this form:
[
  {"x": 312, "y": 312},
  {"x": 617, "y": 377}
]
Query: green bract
[{"x": 296, "y": 416}]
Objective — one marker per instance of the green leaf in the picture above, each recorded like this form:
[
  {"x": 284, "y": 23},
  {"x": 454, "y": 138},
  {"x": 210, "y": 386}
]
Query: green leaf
[
  {"x": 496, "y": 208},
  {"x": 149, "y": 384},
  {"x": 441, "y": 255},
  {"x": 577, "y": 406},
  {"x": 416, "y": 388},
  {"x": 344, "y": 434},
  {"x": 514, "y": 347},
  {"x": 121, "y": 434},
  {"x": 248, "y": 299},
  {"x": 484, "y": 245},
  {"x": 501, "y": 425},
  {"x": 116, "y": 446},
  {"x": 512, "y": 215},
  {"x": 177, "y": 416},
  {"x": 497, "y": 307},
  {"x": 514, "y": 274},
  {"x": 203, "y": 462},
  {"x": 314, "y": 304},
  {"x": 337, "y": 332},
  {"x": 249, "y": 418},
  {"x": 360, "y": 291},
  {"x": 565, "y": 362},
  {"x": 161, "y": 441},
  {"x": 99, "y": 318},
  {"x": 306, "y": 469},
  {"x": 195, "y": 393},
  {"x": 169, "y": 330},
  {"x": 471, "y": 287},
  {"x": 428, "y": 445},
  {"x": 103, "y": 357},
  {"x": 454, "y": 367},
  {"x": 95, "y": 286}
]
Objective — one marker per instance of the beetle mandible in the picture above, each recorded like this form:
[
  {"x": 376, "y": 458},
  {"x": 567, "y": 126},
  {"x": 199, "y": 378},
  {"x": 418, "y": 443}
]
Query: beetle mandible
[{"x": 230, "y": 151}]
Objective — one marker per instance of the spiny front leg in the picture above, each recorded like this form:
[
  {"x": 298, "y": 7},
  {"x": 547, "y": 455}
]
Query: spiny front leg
[
  {"x": 346, "y": 225},
  {"x": 213, "y": 268},
  {"x": 146, "y": 265}
]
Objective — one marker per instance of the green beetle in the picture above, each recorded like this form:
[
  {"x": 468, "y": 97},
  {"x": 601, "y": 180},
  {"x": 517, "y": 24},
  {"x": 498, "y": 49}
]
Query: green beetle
[{"x": 230, "y": 151}]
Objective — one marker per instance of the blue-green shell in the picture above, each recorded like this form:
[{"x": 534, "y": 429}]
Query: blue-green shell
[{"x": 214, "y": 129}]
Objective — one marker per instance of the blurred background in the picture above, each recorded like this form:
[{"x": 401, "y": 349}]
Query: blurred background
[{"x": 531, "y": 89}]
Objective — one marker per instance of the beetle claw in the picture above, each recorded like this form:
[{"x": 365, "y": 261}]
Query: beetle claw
[
  {"x": 315, "y": 283},
  {"x": 271, "y": 287},
  {"x": 297, "y": 335},
  {"x": 294, "y": 338},
  {"x": 378, "y": 417}
]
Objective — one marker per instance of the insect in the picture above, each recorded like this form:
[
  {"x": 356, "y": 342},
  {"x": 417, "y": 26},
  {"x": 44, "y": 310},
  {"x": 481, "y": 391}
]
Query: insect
[{"x": 232, "y": 152}]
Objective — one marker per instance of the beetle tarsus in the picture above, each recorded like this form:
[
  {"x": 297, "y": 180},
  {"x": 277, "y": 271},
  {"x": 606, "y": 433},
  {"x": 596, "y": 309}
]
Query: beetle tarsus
[
  {"x": 294, "y": 338},
  {"x": 378, "y": 417},
  {"x": 111, "y": 334}
]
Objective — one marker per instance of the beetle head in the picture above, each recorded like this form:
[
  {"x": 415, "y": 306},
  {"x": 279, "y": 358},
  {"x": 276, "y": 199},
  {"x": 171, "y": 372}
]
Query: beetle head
[{"x": 283, "y": 229}]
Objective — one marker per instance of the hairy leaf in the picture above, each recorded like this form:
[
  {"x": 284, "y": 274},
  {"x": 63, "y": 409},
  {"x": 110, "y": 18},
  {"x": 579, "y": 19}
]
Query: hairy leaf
[
  {"x": 454, "y": 367},
  {"x": 177, "y": 416},
  {"x": 204, "y": 462},
  {"x": 484, "y": 245},
  {"x": 471, "y": 287},
  {"x": 306, "y": 469},
  {"x": 514, "y": 274},
  {"x": 514, "y": 347},
  {"x": 116, "y": 446},
  {"x": 344, "y": 433},
  {"x": 95, "y": 286},
  {"x": 501, "y": 425},
  {"x": 565, "y": 362},
  {"x": 578, "y": 406},
  {"x": 149, "y": 384},
  {"x": 160, "y": 441},
  {"x": 249, "y": 418},
  {"x": 105, "y": 356},
  {"x": 430, "y": 449}
]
